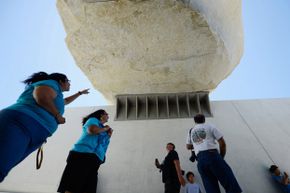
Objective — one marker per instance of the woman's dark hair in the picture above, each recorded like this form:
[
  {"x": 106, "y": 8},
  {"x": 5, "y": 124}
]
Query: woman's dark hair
[
  {"x": 188, "y": 174},
  {"x": 97, "y": 114},
  {"x": 39, "y": 76},
  {"x": 199, "y": 118}
]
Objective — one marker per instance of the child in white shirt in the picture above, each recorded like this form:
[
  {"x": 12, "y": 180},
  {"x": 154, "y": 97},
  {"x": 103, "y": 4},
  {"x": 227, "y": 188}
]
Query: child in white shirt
[{"x": 191, "y": 186}]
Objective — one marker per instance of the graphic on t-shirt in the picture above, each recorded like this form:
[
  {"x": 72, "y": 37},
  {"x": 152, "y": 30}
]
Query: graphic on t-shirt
[{"x": 198, "y": 135}]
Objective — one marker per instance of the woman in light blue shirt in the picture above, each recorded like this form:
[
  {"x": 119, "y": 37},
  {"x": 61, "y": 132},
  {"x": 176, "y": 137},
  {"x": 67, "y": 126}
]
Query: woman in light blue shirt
[
  {"x": 88, "y": 153},
  {"x": 25, "y": 125}
]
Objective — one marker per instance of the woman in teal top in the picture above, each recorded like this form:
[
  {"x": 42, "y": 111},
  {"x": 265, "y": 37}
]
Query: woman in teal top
[
  {"x": 25, "y": 125},
  {"x": 88, "y": 153}
]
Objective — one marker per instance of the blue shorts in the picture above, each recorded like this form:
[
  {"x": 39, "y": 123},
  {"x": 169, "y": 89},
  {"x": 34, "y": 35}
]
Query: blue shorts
[
  {"x": 20, "y": 135},
  {"x": 213, "y": 168}
]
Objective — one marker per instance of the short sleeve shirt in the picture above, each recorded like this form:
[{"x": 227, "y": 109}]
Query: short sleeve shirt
[
  {"x": 27, "y": 104},
  {"x": 203, "y": 137},
  {"x": 93, "y": 143},
  {"x": 192, "y": 188},
  {"x": 168, "y": 167},
  {"x": 286, "y": 188}
]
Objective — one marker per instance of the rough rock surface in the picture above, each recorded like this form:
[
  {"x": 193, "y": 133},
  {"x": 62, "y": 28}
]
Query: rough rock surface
[{"x": 150, "y": 46}]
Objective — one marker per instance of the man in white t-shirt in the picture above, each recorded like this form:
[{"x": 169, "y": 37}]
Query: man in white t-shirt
[{"x": 206, "y": 139}]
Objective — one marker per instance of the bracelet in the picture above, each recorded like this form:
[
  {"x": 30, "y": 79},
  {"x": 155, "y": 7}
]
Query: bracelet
[{"x": 80, "y": 93}]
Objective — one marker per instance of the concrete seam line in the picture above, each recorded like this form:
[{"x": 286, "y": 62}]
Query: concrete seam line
[{"x": 252, "y": 131}]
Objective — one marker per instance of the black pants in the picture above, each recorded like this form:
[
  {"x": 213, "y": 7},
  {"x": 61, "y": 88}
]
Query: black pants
[
  {"x": 172, "y": 187},
  {"x": 81, "y": 173}
]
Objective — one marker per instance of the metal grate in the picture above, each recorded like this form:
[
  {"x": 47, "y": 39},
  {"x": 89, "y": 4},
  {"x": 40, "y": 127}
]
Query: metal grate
[{"x": 162, "y": 106}]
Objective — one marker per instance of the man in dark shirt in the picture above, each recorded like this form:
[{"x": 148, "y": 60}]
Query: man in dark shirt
[{"x": 171, "y": 172}]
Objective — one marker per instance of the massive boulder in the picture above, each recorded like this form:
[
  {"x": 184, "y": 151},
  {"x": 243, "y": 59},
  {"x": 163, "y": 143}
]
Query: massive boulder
[{"x": 153, "y": 46}]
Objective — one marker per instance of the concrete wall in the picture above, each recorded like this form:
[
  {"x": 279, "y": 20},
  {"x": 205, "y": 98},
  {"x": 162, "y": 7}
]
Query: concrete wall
[{"x": 256, "y": 131}]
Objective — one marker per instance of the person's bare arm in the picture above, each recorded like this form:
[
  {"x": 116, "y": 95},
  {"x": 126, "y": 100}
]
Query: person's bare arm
[
  {"x": 189, "y": 146},
  {"x": 222, "y": 145},
  {"x": 179, "y": 174},
  {"x": 93, "y": 129},
  {"x": 110, "y": 132},
  {"x": 285, "y": 179},
  {"x": 71, "y": 98},
  {"x": 44, "y": 96}
]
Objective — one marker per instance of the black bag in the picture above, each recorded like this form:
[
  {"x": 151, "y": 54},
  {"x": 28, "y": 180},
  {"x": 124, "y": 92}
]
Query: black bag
[{"x": 193, "y": 157}]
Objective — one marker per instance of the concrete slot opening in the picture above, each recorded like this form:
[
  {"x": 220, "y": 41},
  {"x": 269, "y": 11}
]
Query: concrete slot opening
[
  {"x": 183, "y": 107},
  {"x": 141, "y": 107},
  {"x": 162, "y": 107},
  {"x": 193, "y": 104},
  {"x": 152, "y": 107},
  {"x": 204, "y": 104},
  {"x": 121, "y": 108},
  {"x": 173, "y": 107},
  {"x": 132, "y": 107}
]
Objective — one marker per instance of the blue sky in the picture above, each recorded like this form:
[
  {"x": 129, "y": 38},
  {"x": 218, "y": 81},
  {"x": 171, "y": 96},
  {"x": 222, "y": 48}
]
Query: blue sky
[{"x": 32, "y": 39}]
